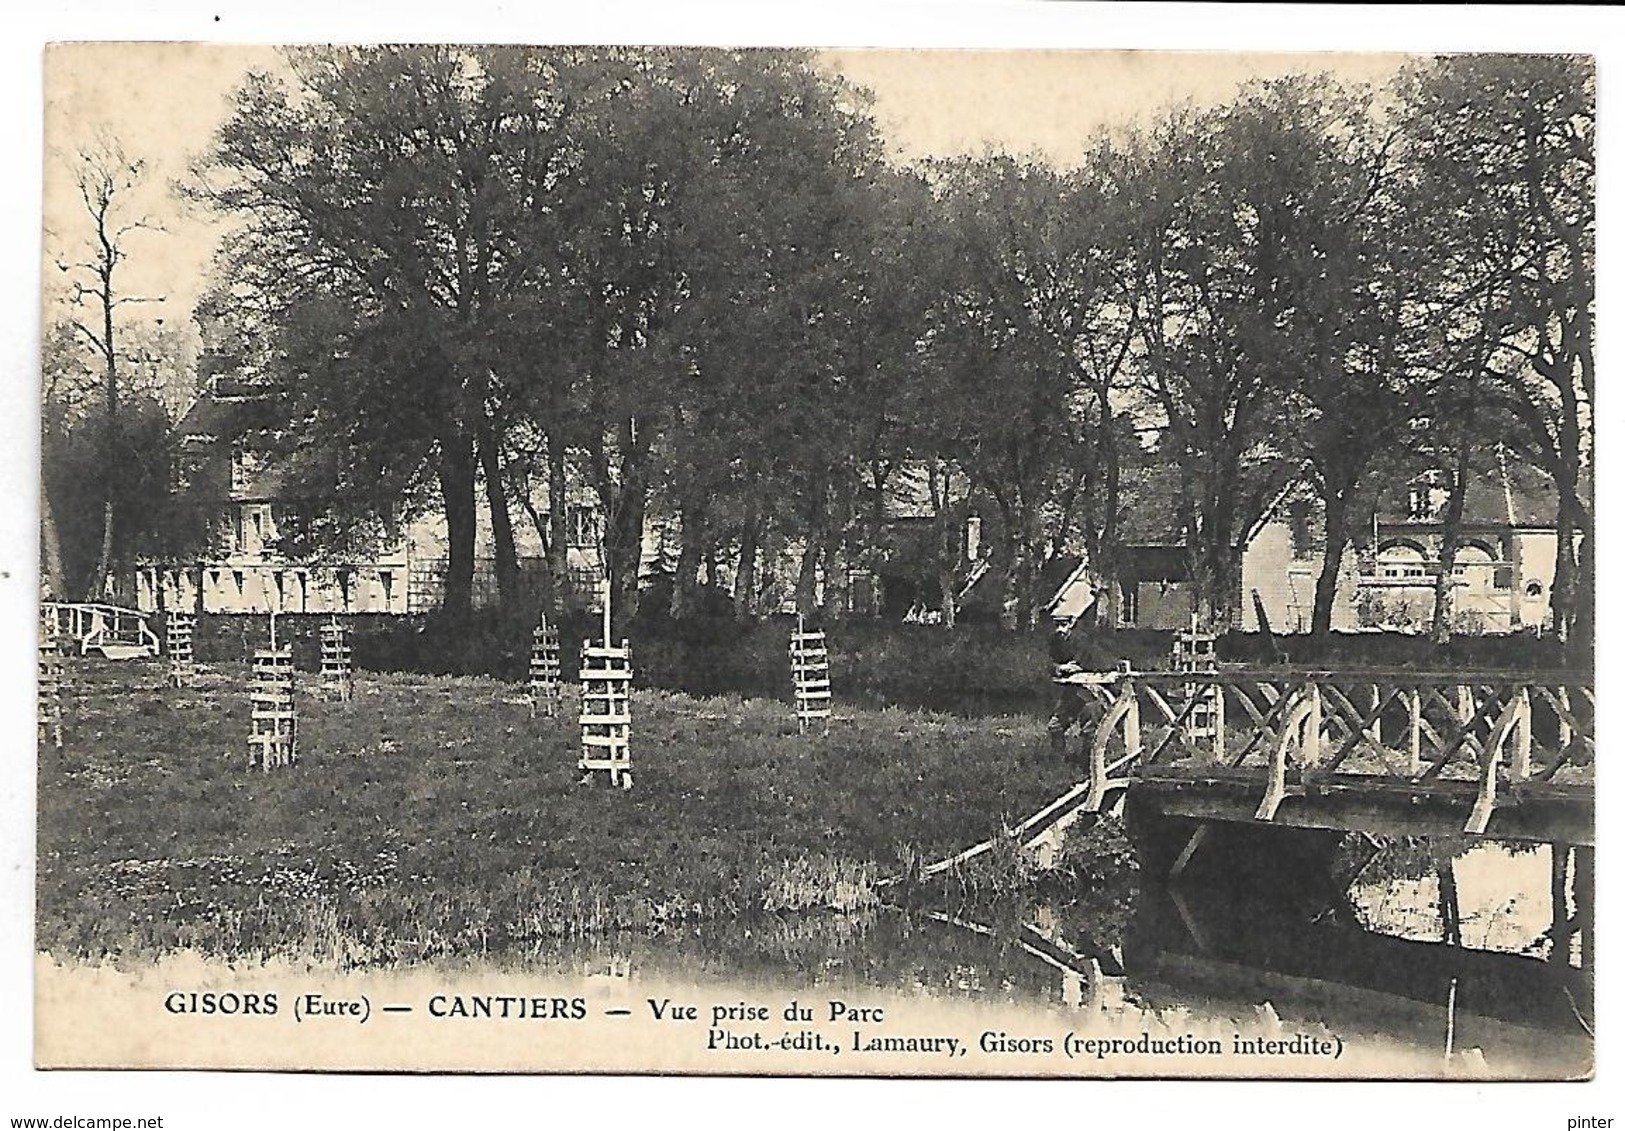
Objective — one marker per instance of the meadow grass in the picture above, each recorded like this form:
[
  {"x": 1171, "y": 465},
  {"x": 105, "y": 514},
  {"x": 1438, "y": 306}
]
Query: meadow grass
[{"x": 434, "y": 817}]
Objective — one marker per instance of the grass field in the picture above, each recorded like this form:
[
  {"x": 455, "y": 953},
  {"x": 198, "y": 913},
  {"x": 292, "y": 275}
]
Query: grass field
[{"x": 433, "y": 817}]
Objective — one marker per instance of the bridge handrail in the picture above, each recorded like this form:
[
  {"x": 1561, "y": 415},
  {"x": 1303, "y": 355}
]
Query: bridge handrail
[
  {"x": 1313, "y": 721},
  {"x": 1229, "y": 675},
  {"x": 91, "y": 622}
]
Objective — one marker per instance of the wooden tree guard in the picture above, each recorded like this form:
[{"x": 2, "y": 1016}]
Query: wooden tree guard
[
  {"x": 809, "y": 665},
  {"x": 50, "y": 690},
  {"x": 545, "y": 688},
  {"x": 606, "y": 711},
  {"x": 338, "y": 674},
  {"x": 178, "y": 629},
  {"x": 274, "y": 738},
  {"x": 1196, "y": 652}
]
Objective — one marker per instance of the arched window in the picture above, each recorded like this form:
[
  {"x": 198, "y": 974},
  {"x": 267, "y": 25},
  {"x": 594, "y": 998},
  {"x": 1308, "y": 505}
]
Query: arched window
[{"x": 1400, "y": 562}]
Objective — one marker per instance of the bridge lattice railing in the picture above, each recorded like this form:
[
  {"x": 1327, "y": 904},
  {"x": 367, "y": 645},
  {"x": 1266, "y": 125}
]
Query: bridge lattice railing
[{"x": 1296, "y": 727}]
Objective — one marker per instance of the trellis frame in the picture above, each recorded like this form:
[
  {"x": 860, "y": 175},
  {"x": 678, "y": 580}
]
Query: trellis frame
[
  {"x": 809, "y": 671},
  {"x": 178, "y": 631},
  {"x": 338, "y": 668},
  {"x": 1196, "y": 652},
  {"x": 50, "y": 688},
  {"x": 606, "y": 706},
  {"x": 546, "y": 688},
  {"x": 273, "y": 715}
]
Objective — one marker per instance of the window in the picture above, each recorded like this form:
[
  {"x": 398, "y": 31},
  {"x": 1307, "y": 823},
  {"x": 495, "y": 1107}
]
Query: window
[
  {"x": 1534, "y": 590},
  {"x": 1426, "y": 497},
  {"x": 1401, "y": 563},
  {"x": 1131, "y": 604},
  {"x": 245, "y": 467},
  {"x": 583, "y": 524}
]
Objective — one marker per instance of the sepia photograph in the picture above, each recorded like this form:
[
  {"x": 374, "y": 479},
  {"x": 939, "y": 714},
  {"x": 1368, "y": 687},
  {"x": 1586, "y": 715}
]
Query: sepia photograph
[{"x": 644, "y": 559}]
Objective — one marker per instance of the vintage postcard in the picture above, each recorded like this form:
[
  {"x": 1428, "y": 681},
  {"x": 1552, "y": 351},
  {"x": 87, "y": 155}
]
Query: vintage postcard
[{"x": 817, "y": 562}]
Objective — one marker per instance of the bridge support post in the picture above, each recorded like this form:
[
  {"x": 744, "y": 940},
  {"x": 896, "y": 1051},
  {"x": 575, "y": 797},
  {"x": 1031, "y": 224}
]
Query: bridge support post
[
  {"x": 1585, "y": 903},
  {"x": 1562, "y": 920},
  {"x": 1449, "y": 903},
  {"x": 1414, "y": 734}
]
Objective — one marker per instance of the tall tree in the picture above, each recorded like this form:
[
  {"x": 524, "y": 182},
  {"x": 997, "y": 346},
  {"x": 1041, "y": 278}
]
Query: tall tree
[
  {"x": 105, "y": 177},
  {"x": 1502, "y": 159},
  {"x": 1234, "y": 205},
  {"x": 1352, "y": 342},
  {"x": 704, "y": 279},
  {"x": 378, "y": 205},
  {"x": 1003, "y": 364}
]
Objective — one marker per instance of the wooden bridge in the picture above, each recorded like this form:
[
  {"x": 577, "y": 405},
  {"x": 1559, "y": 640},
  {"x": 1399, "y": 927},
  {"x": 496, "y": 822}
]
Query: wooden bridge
[
  {"x": 116, "y": 633},
  {"x": 1491, "y": 754}
]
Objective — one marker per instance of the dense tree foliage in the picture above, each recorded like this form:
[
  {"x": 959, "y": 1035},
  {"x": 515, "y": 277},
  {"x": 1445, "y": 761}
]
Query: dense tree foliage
[{"x": 686, "y": 285}]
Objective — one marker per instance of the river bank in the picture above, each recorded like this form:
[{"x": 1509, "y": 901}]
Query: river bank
[{"x": 433, "y": 816}]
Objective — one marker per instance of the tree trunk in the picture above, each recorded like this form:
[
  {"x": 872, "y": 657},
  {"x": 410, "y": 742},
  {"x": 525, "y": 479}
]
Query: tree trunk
[
  {"x": 1227, "y": 617},
  {"x": 1010, "y": 603},
  {"x": 836, "y": 597},
  {"x": 807, "y": 576},
  {"x": 1570, "y": 574},
  {"x": 1562, "y": 598},
  {"x": 112, "y": 467},
  {"x": 623, "y": 546},
  {"x": 558, "y": 521},
  {"x": 1582, "y": 636},
  {"x": 457, "y": 491},
  {"x": 1107, "y": 546},
  {"x": 496, "y": 499},
  {"x": 1337, "y": 539},
  {"x": 948, "y": 586},
  {"x": 1444, "y": 583},
  {"x": 686, "y": 582},
  {"x": 1223, "y": 576},
  {"x": 56, "y": 585},
  {"x": 817, "y": 520},
  {"x": 745, "y": 577}
]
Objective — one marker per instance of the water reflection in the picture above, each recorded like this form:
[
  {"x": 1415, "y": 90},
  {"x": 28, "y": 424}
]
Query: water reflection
[
  {"x": 1187, "y": 963},
  {"x": 1120, "y": 959}
]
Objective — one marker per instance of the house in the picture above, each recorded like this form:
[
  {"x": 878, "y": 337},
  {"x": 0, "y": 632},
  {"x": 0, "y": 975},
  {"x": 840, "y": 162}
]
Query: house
[
  {"x": 1502, "y": 575},
  {"x": 1505, "y": 559},
  {"x": 930, "y": 518},
  {"x": 226, "y": 466}
]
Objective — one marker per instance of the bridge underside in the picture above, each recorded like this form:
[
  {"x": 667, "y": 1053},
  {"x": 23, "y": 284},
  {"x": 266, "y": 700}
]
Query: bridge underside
[{"x": 1543, "y": 813}]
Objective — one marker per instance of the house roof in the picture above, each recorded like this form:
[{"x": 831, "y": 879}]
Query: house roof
[
  {"x": 1518, "y": 495},
  {"x": 230, "y": 413},
  {"x": 226, "y": 411},
  {"x": 1148, "y": 510},
  {"x": 1510, "y": 494}
]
